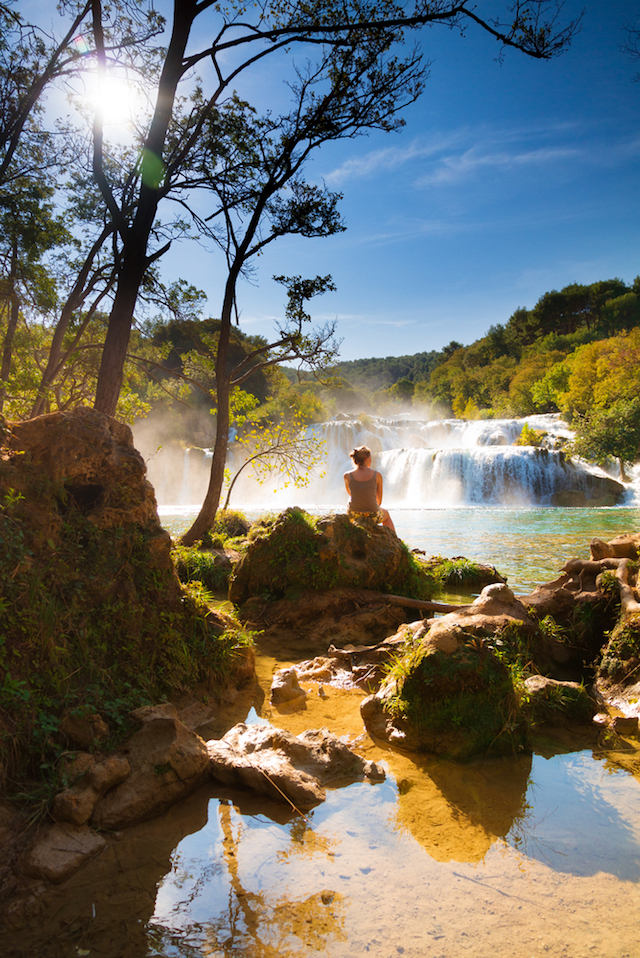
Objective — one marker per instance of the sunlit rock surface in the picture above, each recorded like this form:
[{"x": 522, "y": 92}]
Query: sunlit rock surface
[
  {"x": 167, "y": 760},
  {"x": 283, "y": 766}
]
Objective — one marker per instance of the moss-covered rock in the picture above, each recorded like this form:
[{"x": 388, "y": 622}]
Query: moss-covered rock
[
  {"x": 94, "y": 618},
  {"x": 297, "y": 553},
  {"x": 461, "y": 574},
  {"x": 547, "y": 701},
  {"x": 620, "y": 662},
  {"x": 457, "y": 704}
]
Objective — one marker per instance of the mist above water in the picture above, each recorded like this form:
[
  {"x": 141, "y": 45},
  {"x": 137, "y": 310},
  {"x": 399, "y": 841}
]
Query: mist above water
[{"x": 425, "y": 464}]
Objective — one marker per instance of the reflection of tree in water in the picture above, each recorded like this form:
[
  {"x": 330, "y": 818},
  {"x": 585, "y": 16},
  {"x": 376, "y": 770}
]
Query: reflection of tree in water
[
  {"x": 256, "y": 926},
  {"x": 256, "y": 923}
]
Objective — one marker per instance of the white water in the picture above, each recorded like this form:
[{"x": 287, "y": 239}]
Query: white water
[{"x": 434, "y": 464}]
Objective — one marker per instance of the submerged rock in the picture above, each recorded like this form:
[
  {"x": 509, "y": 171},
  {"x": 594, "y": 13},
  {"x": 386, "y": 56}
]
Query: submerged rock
[
  {"x": 60, "y": 851},
  {"x": 284, "y": 766},
  {"x": 285, "y": 689}
]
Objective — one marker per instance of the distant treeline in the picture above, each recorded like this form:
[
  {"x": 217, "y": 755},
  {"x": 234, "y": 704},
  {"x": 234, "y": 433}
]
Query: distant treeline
[
  {"x": 374, "y": 374},
  {"x": 572, "y": 352}
]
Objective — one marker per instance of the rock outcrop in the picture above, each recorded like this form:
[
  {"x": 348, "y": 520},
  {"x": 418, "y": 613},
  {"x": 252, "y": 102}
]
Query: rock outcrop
[
  {"x": 95, "y": 616},
  {"x": 283, "y": 766},
  {"x": 167, "y": 761},
  {"x": 90, "y": 463},
  {"x": 296, "y": 554},
  {"x": 450, "y": 694}
]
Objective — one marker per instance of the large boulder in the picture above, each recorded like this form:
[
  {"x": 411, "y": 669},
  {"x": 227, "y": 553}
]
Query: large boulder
[
  {"x": 580, "y": 488},
  {"x": 284, "y": 766},
  {"x": 95, "y": 603},
  {"x": 449, "y": 693},
  {"x": 456, "y": 704},
  {"x": 296, "y": 554},
  {"x": 90, "y": 463}
]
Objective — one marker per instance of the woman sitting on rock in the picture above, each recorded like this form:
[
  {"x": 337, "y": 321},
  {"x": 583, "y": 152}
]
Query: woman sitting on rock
[{"x": 364, "y": 486}]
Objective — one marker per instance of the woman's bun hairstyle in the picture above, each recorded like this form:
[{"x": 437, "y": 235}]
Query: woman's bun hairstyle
[{"x": 360, "y": 455}]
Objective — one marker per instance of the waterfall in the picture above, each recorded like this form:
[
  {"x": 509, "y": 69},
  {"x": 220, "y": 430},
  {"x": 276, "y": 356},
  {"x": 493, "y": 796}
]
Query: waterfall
[{"x": 439, "y": 463}]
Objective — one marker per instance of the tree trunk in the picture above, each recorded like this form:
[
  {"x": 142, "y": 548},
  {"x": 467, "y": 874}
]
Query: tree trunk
[
  {"x": 75, "y": 299},
  {"x": 207, "y": 514},
  {"x": 114, "y": 353},
  {"x": 205, "y": 518},
  {"x": 136, "y": 238},
  {"x": 12, "y": 324}
]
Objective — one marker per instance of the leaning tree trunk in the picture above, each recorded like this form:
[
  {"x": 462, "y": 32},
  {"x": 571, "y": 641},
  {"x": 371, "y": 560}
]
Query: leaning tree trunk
[
  {"x": 207, "y": 514},
  {"x": 205, "y": 518},
  {"x": 135, "y": 261},
  {"x": 75, "y": 299},
  {"x": 114, "y": 353},
  {"x": 12, "y": 325}
]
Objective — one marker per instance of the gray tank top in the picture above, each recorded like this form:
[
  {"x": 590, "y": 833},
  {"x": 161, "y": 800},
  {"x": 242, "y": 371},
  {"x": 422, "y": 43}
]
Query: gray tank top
[{"x": 363, "y": 494}]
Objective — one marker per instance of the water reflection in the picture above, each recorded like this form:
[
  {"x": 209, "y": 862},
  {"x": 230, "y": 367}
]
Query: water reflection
[
  {"x": 581, "y": 818},
  {"x": 261, "y": 901},
  {"x": 457, "y": 812},
  {"x": 377, "y": 867}
]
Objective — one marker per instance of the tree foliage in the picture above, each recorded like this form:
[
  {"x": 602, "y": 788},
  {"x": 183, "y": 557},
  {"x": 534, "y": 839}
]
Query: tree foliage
[{"x": 610, "y": 433}]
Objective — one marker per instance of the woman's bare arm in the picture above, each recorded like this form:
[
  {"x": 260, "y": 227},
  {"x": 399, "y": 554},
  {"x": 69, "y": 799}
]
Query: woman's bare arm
[{"x": 379, "y": 488}]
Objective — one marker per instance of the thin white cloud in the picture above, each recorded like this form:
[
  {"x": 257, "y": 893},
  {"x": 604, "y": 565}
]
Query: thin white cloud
[
  {"x": 459, "y": 155},
  {"x": 393, "y": 157},
  {"x": 452, "y": 169}
]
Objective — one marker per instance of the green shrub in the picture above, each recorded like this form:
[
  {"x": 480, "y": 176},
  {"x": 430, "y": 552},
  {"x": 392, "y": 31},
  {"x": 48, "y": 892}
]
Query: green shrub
[{"x": 194, "y": 564}]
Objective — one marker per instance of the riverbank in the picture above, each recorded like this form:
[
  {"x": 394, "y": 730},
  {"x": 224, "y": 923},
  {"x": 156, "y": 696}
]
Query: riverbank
[{"x": 517, "y": 857}]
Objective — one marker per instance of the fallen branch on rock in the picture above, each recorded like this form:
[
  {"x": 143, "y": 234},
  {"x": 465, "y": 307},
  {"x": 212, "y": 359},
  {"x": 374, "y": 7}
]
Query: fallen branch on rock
[{"x": 366, "y": 595}]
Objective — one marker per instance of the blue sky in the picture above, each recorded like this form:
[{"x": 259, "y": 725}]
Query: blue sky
[{"x": 508, "y": 180}]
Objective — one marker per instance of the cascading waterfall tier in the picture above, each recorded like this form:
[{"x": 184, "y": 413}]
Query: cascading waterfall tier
[{"x": 439, "y": 463}]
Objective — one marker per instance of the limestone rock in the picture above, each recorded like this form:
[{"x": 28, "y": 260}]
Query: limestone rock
[
  {"x": 586, "y": 489},
  {"x": 495, "y": 608},
  {"x": 60, "y": 851},
  {"x": 76, "y": 804},
  {"x": 295, "y": 555},
  {"x": 455, "y": 704},
  {"x": 282, "y": 765},
  {"x": 554, "y": 702},
  {"x": 285, "y": 688},
  {"x": 168, "y": 761},
  {"x": 307, "y": 625},
  {"x": 624, "y": 546},
  {"x": 625, "y": 725},
  {"x": 454, "y": 697},
  {"x": 94, "y": 458}
]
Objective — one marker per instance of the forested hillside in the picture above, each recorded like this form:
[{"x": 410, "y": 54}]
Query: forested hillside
[
  {"x": 517, "y": 368},
  {"x": 576, "y": 352}
]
